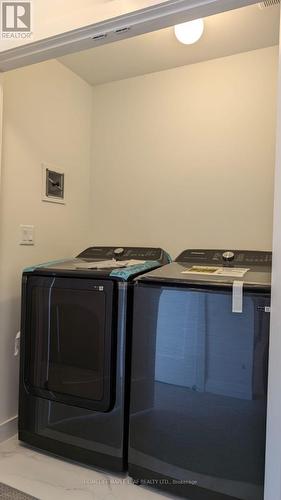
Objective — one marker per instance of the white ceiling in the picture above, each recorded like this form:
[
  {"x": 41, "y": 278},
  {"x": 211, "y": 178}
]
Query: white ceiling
[{"x": 225, "y": 34}]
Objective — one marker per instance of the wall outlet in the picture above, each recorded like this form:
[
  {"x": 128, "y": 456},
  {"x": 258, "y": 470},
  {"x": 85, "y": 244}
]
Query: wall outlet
[{"x": 26, "y": 235}]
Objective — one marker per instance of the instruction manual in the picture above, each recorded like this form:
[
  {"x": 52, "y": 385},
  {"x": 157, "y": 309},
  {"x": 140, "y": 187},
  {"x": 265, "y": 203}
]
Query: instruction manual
[
  {"x": 109, "y": 264},
  {"x": 234, "y": 272}
]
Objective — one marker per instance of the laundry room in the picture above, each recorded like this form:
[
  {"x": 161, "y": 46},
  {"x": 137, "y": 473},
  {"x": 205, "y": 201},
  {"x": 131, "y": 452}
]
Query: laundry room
[{"x": 149, "y": 142}]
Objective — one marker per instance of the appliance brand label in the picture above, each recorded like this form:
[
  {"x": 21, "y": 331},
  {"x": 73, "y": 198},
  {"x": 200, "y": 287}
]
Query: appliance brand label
[{"x": 16, "y": 19}]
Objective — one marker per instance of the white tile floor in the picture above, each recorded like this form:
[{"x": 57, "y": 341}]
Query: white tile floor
[{"x": 50, "y": 478}]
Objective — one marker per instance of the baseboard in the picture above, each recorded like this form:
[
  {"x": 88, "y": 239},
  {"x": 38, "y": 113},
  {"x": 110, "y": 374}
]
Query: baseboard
[{"x": 8, "y": 429}]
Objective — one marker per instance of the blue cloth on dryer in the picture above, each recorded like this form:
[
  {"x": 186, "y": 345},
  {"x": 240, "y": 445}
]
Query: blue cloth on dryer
[
  {"x": 45, "y": 264},
  {"x": 126, "y": 272}
]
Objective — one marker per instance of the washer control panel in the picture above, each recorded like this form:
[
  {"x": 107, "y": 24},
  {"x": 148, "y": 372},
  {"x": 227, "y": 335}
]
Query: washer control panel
[
  {"x": 122, "y": 253},
  {"x": 226, "y": 257}
]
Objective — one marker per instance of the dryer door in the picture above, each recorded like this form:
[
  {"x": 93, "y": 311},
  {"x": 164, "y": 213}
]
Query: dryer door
[
  {"x": 69, "y": 337},
  {"x": 198, "y": 391}
]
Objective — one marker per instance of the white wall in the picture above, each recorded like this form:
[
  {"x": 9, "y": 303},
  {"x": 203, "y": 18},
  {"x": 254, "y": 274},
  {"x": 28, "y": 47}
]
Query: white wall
[
  {"x": 185, "y": 157},
  {"x": 47, "y": 117}
]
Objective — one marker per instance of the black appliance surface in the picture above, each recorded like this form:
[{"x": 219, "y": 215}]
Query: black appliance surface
[
  {"x": 258, "y": 263},
  {"x": 75, "y": 343},
  {"x": 199, "y": 377}
]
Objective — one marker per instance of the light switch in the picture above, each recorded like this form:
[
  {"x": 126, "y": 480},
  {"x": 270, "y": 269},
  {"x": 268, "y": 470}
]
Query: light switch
[{"x": 26, "y": 235}]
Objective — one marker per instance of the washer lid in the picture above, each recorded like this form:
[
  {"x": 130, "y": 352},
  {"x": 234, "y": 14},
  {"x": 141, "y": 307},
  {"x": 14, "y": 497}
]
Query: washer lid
[
  {"x": 95, "y": 262},
  {"x": 209, "y": 268}
]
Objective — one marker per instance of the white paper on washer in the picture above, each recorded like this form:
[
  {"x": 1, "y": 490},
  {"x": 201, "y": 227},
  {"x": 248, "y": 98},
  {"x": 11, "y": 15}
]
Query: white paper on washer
[
  {"x": 108, "y": 264},
  {"x": 235, "y": 272}
]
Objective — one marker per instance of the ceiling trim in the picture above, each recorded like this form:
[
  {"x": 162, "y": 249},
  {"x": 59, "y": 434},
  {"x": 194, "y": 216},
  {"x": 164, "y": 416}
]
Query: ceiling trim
[{"x": 142, "y": 21}]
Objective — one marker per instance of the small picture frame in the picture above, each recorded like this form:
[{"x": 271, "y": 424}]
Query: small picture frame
[{"x": 53, "y": 184}]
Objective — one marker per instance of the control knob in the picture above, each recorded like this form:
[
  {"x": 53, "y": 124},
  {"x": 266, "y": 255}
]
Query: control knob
[
  {"x": 118, "y": 252},
  {"x": 228, "y": 256}
]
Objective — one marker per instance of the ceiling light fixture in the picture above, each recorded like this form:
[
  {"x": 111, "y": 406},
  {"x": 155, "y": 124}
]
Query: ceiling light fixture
[{"x": 189, "y": 32}]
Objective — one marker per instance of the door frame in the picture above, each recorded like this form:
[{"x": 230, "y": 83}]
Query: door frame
[
  {"x": 146, "y": 20},
  {"x": 142, "y": 21}
]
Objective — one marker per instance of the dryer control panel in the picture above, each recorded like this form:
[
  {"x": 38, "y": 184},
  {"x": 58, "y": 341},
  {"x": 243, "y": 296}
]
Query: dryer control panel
[
  {"x": 226, "y": 257},
  {"x": 122, "y": 253}
]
